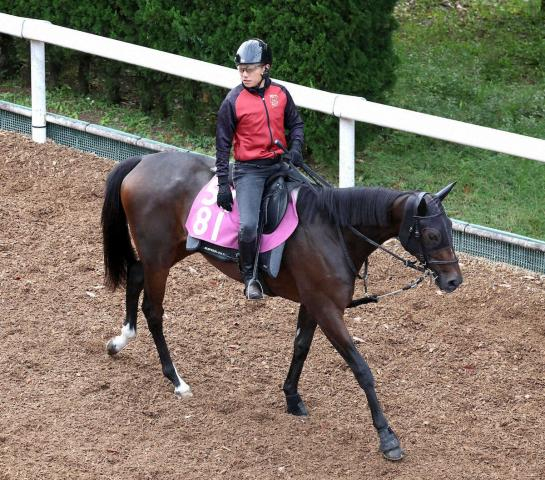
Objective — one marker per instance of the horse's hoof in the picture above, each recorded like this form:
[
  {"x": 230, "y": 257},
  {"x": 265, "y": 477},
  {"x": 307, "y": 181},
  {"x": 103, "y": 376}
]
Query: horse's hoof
[
  {"x": 296, "y": 406},
  {"x": 111, "y": 347},
  {"x": 394, "y": 455},
  {"x": 183, "y": 393},
  {"x": 389, "y": 445}
]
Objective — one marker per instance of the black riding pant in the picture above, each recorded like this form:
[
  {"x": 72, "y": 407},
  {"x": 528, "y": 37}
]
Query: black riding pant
[{"x": 250, "y": 179}]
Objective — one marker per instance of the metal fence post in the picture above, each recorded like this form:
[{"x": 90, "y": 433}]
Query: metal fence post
[
  {"x": 347, "y": 153},
  {"x": 37, "y": 62}
]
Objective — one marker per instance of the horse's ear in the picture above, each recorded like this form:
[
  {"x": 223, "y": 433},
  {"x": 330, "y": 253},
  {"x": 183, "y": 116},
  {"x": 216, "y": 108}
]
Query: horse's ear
[{"x": 441, "y": 194}]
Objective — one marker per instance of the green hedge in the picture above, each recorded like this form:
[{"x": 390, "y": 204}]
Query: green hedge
[{"x": 338, "y": 46}]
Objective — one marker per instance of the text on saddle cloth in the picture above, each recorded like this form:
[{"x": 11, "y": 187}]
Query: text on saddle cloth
[{"x": 208, "y": 222}]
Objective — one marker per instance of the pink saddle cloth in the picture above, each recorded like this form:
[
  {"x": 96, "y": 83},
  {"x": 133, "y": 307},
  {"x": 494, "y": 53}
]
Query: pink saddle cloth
[{"x": 208, "y": 222}]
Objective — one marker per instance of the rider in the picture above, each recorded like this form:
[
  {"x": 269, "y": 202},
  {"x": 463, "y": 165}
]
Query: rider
[{"x": 251, "y": 117}]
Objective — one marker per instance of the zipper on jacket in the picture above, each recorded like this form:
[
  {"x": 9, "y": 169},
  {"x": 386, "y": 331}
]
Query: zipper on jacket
[{"x": 268, "y": 119}]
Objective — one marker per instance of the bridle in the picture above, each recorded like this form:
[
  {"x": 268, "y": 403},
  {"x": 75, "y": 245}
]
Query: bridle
[
  {"x": 414, "y": 227},
  {"x": 411, "y": 238}
]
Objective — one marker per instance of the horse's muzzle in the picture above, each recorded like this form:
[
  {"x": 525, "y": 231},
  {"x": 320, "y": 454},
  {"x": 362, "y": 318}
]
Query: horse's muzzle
[{"x": 449, "y": 281}]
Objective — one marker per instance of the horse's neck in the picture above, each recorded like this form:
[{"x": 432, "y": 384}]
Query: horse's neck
[
  {"x": 398, "y": 212},
  {"x": 361, "y": 249}
]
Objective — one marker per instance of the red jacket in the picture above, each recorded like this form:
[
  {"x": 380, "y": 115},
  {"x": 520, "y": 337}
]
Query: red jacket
[{"x": 251, "y": 120}]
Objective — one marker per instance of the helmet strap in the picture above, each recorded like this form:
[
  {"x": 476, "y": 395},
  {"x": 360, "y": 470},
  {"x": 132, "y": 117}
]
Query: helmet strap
[{"x": 265, "y": 76}]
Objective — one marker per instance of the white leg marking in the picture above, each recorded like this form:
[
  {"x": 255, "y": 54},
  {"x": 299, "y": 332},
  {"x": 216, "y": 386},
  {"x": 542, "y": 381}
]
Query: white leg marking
[
  {"x": 118, "y": 343},
  {"x": 183, "y": 391}
]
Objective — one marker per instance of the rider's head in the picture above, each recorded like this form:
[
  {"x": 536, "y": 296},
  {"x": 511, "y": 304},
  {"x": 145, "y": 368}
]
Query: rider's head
[{"x": 253, "y": 61}]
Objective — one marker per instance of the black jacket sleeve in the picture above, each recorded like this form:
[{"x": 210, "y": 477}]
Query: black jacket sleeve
[
  {"x": 294, "y": 124},
  {"x": 225, "y": 130}
]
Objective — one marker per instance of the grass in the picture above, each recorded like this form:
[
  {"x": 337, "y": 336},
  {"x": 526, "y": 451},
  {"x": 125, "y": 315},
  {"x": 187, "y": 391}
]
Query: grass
[
  {"x": 481, "y": 63},
  {"x": 125, "y": 117}
]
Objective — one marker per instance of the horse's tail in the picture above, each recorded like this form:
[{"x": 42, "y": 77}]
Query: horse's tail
[{"x": 116, "y": 240}]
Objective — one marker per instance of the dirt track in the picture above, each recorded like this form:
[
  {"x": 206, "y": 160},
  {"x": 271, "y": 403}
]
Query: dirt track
[{"x": 461, "y": 376}]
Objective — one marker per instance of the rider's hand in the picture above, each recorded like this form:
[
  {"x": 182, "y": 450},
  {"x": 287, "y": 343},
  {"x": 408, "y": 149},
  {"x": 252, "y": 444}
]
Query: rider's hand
[
  {"x": 294, "y": 157},
  {"x": 225, "y": 197}
]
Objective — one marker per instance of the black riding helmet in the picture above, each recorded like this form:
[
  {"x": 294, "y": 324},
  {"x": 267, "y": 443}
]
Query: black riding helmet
[{"x": 253, "y": 51}]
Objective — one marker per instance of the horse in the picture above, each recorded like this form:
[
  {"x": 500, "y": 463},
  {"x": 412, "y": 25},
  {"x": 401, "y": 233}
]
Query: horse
[{"x": 146, "y": 203}]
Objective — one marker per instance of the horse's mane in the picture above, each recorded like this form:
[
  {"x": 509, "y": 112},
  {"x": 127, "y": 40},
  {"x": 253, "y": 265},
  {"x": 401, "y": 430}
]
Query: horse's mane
[{"x": 369, "y": 206}]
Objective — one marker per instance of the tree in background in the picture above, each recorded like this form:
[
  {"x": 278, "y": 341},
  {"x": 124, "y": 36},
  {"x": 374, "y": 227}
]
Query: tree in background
[
  {"x": 334, "y": 45},
  {"x": 339, "y": 46}
]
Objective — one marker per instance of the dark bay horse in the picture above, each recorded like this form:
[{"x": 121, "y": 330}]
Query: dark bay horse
[{"x": 147, "y": 199}]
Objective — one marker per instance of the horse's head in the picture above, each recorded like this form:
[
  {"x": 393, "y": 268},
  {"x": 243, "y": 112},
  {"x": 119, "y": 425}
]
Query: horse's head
[{"x": 426, "y": 233}]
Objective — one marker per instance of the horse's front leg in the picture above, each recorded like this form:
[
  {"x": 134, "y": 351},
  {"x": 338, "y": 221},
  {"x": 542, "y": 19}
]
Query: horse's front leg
[
  {"x": 330, "y": 319},
  {"x": 152, "y": 306},
  {"x": 306, "y": 326},
  {"x": 135, "y": 284}
]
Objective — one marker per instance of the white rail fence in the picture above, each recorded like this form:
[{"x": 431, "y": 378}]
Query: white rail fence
[{"x": 348, "y": 109}]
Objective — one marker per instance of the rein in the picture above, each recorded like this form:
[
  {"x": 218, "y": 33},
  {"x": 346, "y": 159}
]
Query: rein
[
  {"x": 375, "y": 298},
  {"x": 426, "y": 272}
]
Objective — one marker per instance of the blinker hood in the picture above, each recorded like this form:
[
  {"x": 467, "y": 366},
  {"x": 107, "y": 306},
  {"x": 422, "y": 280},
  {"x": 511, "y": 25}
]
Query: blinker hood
[{"x": 421, "y": 235}]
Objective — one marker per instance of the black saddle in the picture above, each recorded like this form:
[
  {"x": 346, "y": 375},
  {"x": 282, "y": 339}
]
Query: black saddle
[
  {"x": 273, "y": 207},
  {"x": 276, "y": 198}
]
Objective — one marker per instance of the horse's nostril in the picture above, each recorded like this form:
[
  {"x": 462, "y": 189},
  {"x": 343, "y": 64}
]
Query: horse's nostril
[{"x": 454, "y": 283}]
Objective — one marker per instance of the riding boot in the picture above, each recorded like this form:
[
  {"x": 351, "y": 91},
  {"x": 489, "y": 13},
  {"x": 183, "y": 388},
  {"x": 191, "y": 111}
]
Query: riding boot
[{"x": 247, "y": 254}]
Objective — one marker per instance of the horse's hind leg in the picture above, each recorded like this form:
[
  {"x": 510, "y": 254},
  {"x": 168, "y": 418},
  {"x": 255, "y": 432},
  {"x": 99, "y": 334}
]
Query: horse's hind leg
[
  {"x": 154, "y": 293},
  {"x": 135, "y": 284},
  {"x": 306, "y": 326}
]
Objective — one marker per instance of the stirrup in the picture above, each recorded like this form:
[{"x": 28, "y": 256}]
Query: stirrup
[{"x": 253, "y": 290}]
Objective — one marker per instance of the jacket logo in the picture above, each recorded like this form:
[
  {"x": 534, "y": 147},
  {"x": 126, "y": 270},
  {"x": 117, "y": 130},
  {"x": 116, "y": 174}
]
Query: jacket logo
[{"x": 274, "y": 100}]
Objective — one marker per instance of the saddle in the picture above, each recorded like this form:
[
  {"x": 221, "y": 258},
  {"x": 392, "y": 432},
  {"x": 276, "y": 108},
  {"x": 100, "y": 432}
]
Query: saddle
[
  {"x": 274, "y": 205},
  {"x": 276, "y": 196}
]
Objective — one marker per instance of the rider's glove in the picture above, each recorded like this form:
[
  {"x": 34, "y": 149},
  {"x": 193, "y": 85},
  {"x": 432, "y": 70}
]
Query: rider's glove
[
  {"x": 225, "y": 197},
  {"x": 294, "y": 156}
]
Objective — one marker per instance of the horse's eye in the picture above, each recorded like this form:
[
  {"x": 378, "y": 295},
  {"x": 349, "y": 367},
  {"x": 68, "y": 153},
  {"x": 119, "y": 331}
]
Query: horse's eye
[{"x": 431, "y": 237}]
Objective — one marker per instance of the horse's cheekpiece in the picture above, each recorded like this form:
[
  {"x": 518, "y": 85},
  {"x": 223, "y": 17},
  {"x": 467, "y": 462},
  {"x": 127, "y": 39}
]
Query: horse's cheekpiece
[{"x": 214, "y": 231}]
